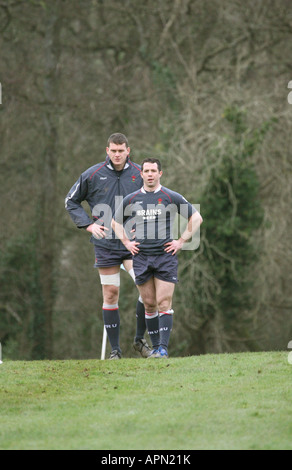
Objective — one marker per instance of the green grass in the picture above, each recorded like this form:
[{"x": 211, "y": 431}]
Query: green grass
[{"x": 226, "y": 401}]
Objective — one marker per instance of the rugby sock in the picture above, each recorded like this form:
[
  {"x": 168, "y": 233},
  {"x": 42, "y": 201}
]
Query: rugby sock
[
  {"x": 165, "y": 327},
  {"x": 111, "y": 319},
  {"x": 152, "y": 323},
  {"x": 140, "y": 316}
]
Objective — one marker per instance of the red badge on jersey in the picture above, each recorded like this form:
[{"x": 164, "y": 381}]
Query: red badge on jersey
[
  {"x": 133, "y": 178},
  {"x": 159, "y": 200}
]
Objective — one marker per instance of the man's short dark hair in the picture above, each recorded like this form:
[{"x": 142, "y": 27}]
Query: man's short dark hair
[
  {"x": 151, "y": 160},
  {"x": 117, "y": 139}
]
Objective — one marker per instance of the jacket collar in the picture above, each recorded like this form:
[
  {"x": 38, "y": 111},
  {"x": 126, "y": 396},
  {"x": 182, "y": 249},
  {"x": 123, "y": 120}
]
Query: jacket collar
[{"x": 110, "y": 166}]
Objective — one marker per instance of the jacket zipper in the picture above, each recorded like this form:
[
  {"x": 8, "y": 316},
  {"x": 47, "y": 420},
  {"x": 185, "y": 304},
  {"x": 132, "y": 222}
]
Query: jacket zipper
[{"x": 119, "y": 187}]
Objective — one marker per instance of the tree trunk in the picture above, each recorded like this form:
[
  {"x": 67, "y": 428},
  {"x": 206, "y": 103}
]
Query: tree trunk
[{"x": 46, "y": 213}]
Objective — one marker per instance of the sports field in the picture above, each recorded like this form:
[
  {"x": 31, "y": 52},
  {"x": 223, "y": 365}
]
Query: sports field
[{"x": 226, "y": 401}]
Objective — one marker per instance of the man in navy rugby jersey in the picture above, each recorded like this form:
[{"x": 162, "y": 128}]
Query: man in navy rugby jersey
[
  {"x": 152, "y": 210},
  {"x": 101, "y": 186}
]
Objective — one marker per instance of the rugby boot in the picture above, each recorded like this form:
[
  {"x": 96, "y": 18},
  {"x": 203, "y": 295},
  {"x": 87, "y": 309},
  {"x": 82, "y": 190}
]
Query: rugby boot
[
  {"x": 142, "y": 347},
  {"x": 154, "y": 354},
  {"x": 115, "y": 354},
  {"x": 160, "y": 353}
]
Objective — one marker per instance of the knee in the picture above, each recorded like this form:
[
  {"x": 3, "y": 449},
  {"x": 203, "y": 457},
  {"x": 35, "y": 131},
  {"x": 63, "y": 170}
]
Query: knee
[
  {"x": 164, "y": 305},
  {"x": 110, "y": 294},
  {"x": 149, "y": 306}
]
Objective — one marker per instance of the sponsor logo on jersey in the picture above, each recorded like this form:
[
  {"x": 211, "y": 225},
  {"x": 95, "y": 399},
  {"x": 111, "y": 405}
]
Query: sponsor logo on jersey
[{"x": 149, "y": 214}]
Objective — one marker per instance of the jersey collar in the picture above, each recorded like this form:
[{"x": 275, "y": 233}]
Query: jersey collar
[{"x": 156, "y": 190}]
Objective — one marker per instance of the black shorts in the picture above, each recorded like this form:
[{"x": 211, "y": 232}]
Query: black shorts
[
  {"x": 105, "y": 258},
  {"x": 163, "y": 267}
]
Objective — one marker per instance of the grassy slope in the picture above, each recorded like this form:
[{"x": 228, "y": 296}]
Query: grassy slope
[{"x": 228, "y": 401}]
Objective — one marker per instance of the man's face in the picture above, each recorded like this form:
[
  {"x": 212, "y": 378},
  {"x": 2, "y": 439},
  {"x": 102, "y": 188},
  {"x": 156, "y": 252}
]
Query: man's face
[
  {"x": 118, "y": 154},
  {"x": 151, "y": 175}
]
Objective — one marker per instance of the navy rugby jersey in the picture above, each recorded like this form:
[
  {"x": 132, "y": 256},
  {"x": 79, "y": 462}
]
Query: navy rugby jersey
[{"x": 152, "y": 214}]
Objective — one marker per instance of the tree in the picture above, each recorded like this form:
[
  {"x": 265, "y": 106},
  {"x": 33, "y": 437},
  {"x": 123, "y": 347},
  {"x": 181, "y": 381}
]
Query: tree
[{"x": 47, "y": 209}]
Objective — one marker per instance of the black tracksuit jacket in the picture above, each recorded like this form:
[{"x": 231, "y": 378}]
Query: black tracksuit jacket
[{"x": 103, "y": 188}]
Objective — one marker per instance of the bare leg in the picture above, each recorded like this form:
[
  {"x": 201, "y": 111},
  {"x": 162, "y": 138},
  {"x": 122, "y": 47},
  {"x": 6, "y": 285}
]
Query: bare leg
[
  {"x": 148, "y": 294},
  {"x": 164, "y": 293},
  {"x": 140, "y": 344},
  {"x": 110, "y": 292},
  {"x": 110, "y": 309}
]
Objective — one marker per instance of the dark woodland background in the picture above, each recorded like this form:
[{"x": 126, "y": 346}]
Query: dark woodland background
[{"x": 200, "y": 84}]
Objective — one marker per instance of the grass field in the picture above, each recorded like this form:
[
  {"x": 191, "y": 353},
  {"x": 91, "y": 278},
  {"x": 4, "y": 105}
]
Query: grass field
[{"x": 226, "y": 401}]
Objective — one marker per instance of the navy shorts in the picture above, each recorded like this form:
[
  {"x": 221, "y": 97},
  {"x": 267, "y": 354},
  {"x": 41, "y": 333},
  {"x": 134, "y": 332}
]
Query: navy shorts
[
  {"x": 163, "y": 267},
  {"x": 105, "y": 258}
]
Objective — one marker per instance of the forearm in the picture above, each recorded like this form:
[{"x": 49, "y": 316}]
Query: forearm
[
  {"x": 120, "y": 232},
  {"x": 78, "y": 215},
  {"x": 193, "y": 225}
]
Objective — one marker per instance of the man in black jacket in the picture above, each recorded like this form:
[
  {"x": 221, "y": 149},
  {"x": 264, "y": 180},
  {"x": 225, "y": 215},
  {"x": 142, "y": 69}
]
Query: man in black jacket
[{"x": 103, "y": 186}]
